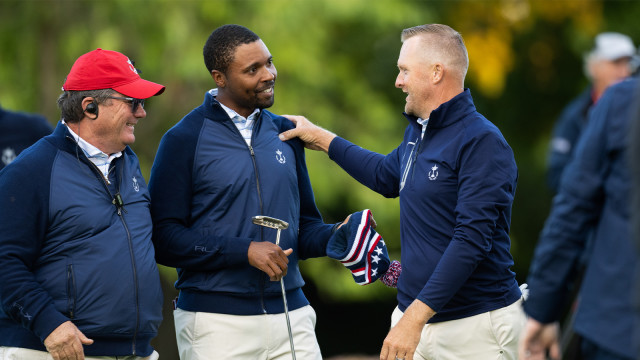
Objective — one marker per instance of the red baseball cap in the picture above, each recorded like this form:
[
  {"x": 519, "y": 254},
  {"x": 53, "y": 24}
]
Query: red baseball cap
[{"x": 105, "y": 69}]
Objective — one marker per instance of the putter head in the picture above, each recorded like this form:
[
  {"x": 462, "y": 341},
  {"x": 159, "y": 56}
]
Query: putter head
[{"x": 270, "y": 222}]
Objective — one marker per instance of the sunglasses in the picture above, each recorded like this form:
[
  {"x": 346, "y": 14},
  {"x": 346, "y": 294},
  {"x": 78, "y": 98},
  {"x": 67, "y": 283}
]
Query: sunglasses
[{"x": 134, "y": 102}]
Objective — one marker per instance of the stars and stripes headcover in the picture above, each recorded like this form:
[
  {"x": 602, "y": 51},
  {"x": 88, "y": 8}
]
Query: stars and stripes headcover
[{"x": 360, "y": 248}]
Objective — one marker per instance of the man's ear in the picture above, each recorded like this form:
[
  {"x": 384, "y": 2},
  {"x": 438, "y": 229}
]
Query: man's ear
[
  {"x": 219, "y": 78},
  {"x": 437, "y": 73}
]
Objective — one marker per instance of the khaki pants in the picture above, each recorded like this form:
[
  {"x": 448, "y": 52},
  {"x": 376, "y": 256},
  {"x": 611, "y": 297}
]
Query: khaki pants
[
  {"x": 13, "y": 353},
  {"x": 486, "y": 336},
  {"x": 209, "y": 336}
]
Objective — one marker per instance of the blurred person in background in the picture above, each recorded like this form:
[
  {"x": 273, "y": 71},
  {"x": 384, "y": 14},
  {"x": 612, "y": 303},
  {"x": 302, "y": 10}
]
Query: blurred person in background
[
  {"x": 634, "y": 159},
  {"x": 612, "y": 58},
  {"x": 80, "y": 279},
  {"x": 594, "y": 197},
  {"x": 608, "y": 62},
  {"x": 18, "y": 131}
]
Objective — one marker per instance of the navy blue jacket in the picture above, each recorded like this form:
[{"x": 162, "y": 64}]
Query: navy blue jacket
[
  {"x": 456, "y": 188},
  {"x": 68, "y": 253},
  {"x": 206, "y": 185},
  {"x": 18, "y": 131},
  {"x": 566, "y": 133},
  {"x": 594, "y": 195}
]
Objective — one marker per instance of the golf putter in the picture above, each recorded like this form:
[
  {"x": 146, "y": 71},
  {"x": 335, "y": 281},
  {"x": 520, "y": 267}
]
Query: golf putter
[{"x": 278, "y": 224}]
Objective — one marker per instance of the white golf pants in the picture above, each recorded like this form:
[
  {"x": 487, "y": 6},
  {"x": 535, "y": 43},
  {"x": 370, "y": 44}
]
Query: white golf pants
[
  {"x": 14, "y": 353},
  {"x": 209, "y": 336},
  {"x": 486, "y": 336}
]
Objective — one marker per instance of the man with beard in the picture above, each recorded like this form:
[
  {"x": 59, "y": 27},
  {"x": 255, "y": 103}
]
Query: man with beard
[{"x": 218, "y": 167}]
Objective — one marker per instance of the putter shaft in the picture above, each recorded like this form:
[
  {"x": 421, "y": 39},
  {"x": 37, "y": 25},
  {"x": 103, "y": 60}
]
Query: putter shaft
[
  {"x": 280, "y": 225},
  {"x": 286, "y": 307}
]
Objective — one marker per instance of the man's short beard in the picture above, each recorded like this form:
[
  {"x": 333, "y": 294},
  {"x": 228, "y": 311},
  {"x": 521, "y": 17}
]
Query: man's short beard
[{"x": 265, "y": 104}]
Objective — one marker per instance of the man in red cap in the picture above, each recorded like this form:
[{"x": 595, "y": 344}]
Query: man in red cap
[{"x": 75, "y": 229}]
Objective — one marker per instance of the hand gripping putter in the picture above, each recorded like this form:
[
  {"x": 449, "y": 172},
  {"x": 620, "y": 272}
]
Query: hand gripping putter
[{"x": 278, "y": 224}]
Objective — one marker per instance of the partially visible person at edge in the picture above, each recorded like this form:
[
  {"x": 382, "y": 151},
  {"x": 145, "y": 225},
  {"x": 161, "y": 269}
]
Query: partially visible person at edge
[
  {"x": 594, "y": 195},
  {"x": 75, "y": 227},
  {"x": 18, "y": 131},
  {"x": 215, "y": 169},
  {"x": 456, "y": 178},
  {"x": 634, "y": 160},
  {"x": 607, "y": 63}
]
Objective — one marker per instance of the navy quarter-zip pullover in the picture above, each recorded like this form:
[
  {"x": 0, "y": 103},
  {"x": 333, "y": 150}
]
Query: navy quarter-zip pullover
[
  {"x": 206, "y": 184},
  {"x": 456, "y": 187}
]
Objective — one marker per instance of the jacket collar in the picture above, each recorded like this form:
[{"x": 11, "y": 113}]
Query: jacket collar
[
  {"x": 449, "y": 112},
  {"x": 63, "y": 139},
  {"x": 212, "y": 109}
]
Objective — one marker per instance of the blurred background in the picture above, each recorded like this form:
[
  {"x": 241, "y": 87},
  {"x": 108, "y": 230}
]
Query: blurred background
[{"x": 336, "y": 62}]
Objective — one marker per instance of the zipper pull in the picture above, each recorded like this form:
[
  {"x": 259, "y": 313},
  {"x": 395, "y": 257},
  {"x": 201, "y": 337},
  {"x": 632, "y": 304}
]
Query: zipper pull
[{"x": 251, "y": 150}]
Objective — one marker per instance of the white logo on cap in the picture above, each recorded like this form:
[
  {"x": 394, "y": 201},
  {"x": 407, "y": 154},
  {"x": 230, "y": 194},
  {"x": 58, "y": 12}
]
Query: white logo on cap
[{"x": 131, "y": 66}]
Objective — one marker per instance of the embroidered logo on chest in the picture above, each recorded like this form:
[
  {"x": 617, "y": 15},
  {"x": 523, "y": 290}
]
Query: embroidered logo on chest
[
  {"x": 136, "y": 186},
  {"x": 8, "y": 155},
  {"x": 281, "y": 159},
  {"x": 433, "y": 174}
]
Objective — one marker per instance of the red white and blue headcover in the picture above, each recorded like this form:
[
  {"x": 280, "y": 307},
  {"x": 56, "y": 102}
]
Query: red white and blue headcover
[{"x": 360, "y": 248}]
